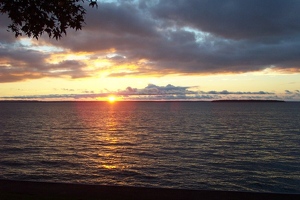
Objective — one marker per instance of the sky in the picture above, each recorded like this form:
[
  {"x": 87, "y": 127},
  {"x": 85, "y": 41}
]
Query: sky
[{"x": 161, "y": 50}]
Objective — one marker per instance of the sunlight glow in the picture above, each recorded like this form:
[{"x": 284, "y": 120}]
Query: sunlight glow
[{"x": 111, "y": 99}]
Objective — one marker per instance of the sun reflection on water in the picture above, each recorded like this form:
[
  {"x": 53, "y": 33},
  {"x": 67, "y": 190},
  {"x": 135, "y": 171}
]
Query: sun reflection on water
[
  {"x": 109, "y": 166},
  {"x": 111, "y": 156}
]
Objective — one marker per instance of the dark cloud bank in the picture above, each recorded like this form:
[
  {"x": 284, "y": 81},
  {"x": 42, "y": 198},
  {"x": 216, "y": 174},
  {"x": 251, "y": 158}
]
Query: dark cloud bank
[{"x": 172, "y": 36}]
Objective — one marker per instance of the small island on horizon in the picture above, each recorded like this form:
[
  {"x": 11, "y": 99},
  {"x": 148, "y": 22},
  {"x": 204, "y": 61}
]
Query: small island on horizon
[{"x": 248, "y": 100}]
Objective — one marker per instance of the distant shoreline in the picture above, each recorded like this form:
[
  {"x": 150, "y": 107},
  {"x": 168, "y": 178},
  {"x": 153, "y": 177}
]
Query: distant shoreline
[{"x": 242, "y": 101}]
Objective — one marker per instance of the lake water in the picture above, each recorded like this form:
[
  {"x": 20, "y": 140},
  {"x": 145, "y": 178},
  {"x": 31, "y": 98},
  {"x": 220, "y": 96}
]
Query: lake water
[{"x": 188, "y": 145}]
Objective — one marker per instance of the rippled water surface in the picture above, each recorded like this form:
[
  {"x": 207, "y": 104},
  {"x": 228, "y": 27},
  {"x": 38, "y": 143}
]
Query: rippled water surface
[{"x": 190, "y": 145}]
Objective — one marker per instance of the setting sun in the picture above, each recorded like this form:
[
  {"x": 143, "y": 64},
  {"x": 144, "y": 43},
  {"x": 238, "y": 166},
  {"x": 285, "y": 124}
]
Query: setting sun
[{"x": 111, "y": 99}]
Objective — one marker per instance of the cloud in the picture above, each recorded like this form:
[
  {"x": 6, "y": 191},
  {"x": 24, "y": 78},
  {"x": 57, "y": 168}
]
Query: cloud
[
  {"x": 235, "y": 19},
  {"x": 225, "y": 92},
  {"x": 152, "y": 89},
  {"x": 292, "y": 95},
  {"x": 5, "y": 36},
  {"x": 288, "y": 92},
  {"x": 197, "y": 37},
  {"x": 167, "y": 37},
  {"x": 17, "y": 64}
]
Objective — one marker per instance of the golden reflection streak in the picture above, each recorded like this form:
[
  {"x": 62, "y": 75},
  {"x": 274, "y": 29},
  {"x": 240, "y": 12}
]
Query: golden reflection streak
[
  {"x": 109, "y": 166},
  {"x": 111, "y": 160}
]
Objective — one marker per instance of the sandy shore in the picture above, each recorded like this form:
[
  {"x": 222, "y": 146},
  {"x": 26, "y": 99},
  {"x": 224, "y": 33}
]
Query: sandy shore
[{"x": 42, "y": 191}]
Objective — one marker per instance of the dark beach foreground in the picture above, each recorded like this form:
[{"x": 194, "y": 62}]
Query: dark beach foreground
[{"x": 45, "y": 191}]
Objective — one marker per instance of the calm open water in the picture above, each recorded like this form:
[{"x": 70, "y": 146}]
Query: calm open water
[{"x": 189, "y": 145}]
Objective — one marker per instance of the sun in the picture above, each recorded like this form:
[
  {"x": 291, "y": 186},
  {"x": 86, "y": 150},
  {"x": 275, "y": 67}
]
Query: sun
[{"x": 111, "y": 98}]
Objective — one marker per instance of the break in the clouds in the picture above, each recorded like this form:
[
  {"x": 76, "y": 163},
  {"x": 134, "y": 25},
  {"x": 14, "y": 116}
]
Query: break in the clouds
[
  {"x": 157, "y": 93},
  {"x": 154, "y": 37}
]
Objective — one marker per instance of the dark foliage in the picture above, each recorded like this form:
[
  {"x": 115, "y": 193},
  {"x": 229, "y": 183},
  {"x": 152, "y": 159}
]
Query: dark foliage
[{"x": 35, "y": 17}]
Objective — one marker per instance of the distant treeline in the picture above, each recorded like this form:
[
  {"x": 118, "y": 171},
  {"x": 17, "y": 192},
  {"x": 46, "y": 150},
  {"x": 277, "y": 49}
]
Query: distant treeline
[
  {"x": 18, "y": 101},
  {"x": 249, "y": 100}
]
